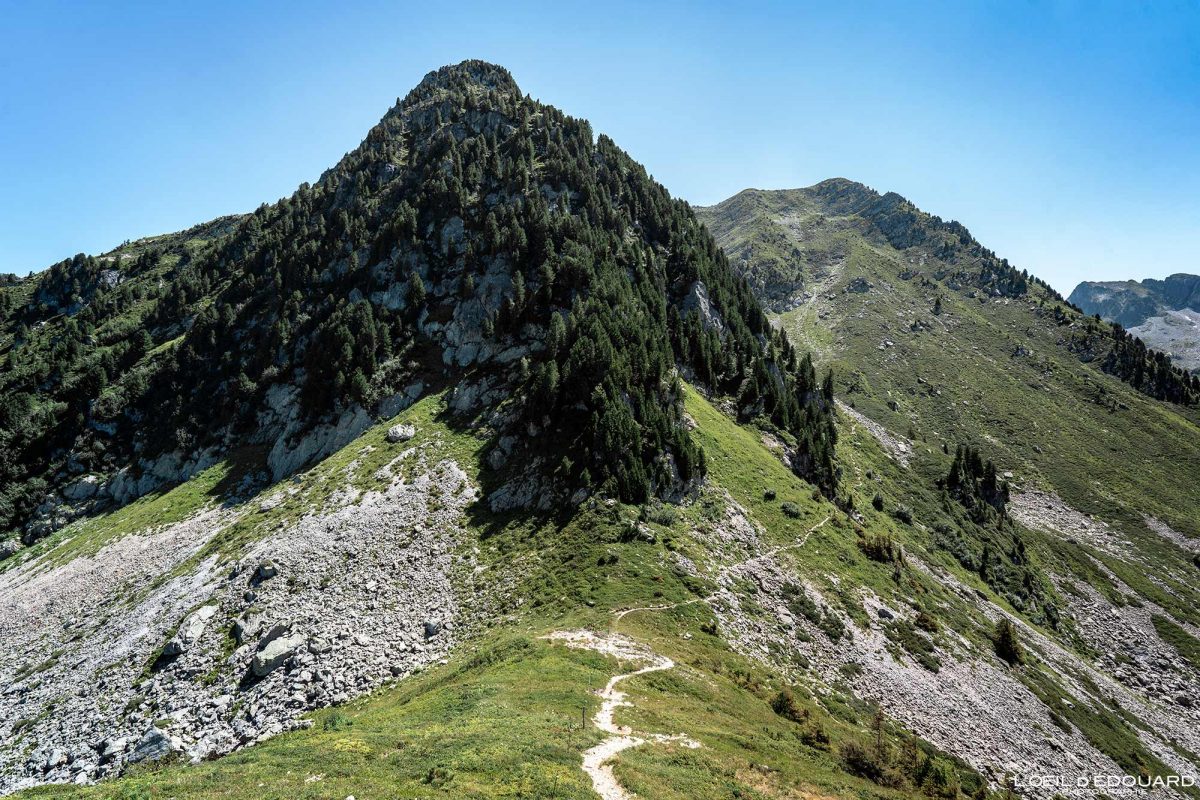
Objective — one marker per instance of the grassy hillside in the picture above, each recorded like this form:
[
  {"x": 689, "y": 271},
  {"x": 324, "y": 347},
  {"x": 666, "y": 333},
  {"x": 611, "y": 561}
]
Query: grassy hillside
[
  {"x": 504, "y": 717},
  {"x": 509, "y": 714},
  {"x": 917, "y": 347}
]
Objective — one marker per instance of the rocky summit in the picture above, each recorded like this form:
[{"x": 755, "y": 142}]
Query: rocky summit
[
  {"x": 483, "y": 467},
  {"x": 1163, "y": 313}
]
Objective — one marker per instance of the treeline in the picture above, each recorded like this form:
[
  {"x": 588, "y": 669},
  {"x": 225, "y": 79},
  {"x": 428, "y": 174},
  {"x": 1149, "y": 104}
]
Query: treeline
[
  {"x": 1119, "y": 353},
  {"x": 78, "y": 334},
  {"x": 1149, "y": 371},
  {"x": 985, "y": 540},
  {"x": 974, "y": 483}
]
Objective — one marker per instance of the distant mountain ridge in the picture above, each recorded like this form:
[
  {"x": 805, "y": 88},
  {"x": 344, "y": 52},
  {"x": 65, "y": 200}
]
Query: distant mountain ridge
[
  {"x": 922, "y": 325},
  {"x": 1163, "y": 313},
  {"x": 772, "y": 236},
  {"x": 1131, "y": 303}
]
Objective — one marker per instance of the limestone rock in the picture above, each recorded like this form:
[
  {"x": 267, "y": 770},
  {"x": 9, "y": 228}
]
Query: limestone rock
[
  {"x": 401, "y": 433},
  {"x": 275, "y": 654},
  {"x": 84, "y": 488},
  {"x": 154, "y": 745},
  {"x": 190, "y": 631}
]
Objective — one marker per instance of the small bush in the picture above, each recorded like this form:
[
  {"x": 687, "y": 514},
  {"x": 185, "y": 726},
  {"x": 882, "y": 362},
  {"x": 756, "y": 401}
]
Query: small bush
[
  {"x": 768, "y": 495},
  {"x": 851, "y": 669},
  {"x": 926, "y": 622},
  {"x": 790, "y": 509},
  {"x": 877, "y": 502},
  {"x": 784, "y": 704},
  {"x": 337, "y": 721},
  {"x": 881, "y": 548},
  {"x": 904, "y": 514},
  {"x": 815, "y": 735},
  {"x": 800, "y": 604},
  {"x": 860, "y": 761},
  {"x": 832, "y": 626},
  {"x": 438, "y": 776},
  {"x": 660, "y": 514},
  {"x": 1008, "y": 646},
  {"x": 921, "y": 649}
]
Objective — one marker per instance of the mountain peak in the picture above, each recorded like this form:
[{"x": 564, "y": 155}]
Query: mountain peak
[{"x": 471, "y": 71}]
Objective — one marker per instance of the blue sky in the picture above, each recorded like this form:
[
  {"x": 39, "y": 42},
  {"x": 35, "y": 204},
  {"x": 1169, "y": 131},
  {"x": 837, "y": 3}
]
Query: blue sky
[{"x": 1066, "y": 136}]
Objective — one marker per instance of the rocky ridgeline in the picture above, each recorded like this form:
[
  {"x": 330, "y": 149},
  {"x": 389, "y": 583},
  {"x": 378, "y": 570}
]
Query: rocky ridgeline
[{"x": 144, "y": 650}]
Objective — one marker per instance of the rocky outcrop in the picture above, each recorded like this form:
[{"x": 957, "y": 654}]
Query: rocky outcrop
[
  {"x": 401, "y": 433},
  {"x": 1131, "y": 303},
  {"x": 1165, "y": 314},
  {"x": 697, "y": 300},
  {"x": 300, "y": 444},
  {"x": 91, "y": 494},
  {"x": 189, "y": 631}
]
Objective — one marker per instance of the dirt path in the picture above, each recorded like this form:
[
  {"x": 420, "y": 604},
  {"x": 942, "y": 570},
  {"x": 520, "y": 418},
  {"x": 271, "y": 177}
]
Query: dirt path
[
  {"x": 620, "y": 615},
  {"x": 596, "y": 760}
]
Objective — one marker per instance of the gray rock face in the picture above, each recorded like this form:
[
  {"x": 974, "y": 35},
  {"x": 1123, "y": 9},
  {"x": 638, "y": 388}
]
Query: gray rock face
[
  {"x": 84, "y": 488},
  {"x": 1131, "y": 303},
  {"x": 9, "y": 547},
  {"x": 401, "y": 433},
  {"x": 275, "y": 654},
  {"x": 298, "y": 444},
  {"x": 1165, "y": 314},
  {"x": 189, "y": 631},
  {"x": 697, "y": 300},
  {"x": 91, "y": 494},
  {"x": 391, "y": 406},
  {"x": 153, "y": 745}
]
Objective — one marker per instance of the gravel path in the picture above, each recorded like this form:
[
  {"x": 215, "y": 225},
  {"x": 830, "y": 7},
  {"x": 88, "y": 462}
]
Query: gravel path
[{"x": 597, "y": 760}]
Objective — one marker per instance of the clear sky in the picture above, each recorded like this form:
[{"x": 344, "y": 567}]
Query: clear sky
[{"x": 1066, "y": 136}]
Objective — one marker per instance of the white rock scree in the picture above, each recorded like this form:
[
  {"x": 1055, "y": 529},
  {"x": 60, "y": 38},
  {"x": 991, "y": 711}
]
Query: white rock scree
[{"x": 105, "y": 662}]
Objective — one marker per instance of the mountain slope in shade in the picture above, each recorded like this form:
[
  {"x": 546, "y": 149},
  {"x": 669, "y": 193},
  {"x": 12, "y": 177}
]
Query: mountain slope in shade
[{"x": 1163, "y": 313}]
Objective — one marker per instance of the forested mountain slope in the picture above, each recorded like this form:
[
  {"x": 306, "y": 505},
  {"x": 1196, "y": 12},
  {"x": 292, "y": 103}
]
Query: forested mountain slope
[{"x": 475, "y": 238}]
